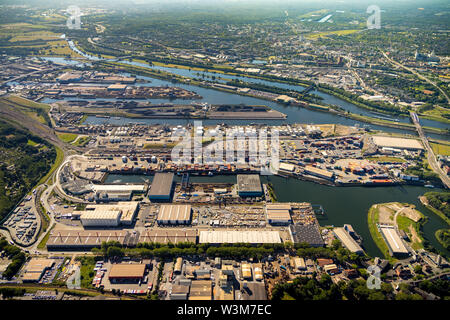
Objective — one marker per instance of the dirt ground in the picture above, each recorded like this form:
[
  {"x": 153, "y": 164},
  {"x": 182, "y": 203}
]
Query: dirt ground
[{"x": 386, "y": 215}]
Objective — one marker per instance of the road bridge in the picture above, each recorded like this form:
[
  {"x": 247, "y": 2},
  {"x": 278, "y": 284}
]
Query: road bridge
[{"x": 432, "y": 161}]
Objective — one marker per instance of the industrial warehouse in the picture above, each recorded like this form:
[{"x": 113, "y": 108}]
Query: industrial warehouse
[
  {"x": 122, "y": 213},
  {"x": 168, "y": 236},
  {"x": 397, "y": 143},
  {"x": 126, "y": 273},
  {"x": 252, "y": 237},
  {"x": 309, "y": 234},
  {"x": 278, "y": 214},
  {"x": 161, "y": 188},
  {"x": 174, "y": 214},
  {"x": 36, "y": 269},
  {"x": 84, "y": 240},
  {"x": 249, "y": 185},
  {"x": 393, "y": 241},
  {"x": 347, "y": 240}
]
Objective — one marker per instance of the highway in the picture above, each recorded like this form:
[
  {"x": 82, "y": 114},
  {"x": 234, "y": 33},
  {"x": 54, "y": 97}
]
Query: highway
[{"x": 432, "y": 161}]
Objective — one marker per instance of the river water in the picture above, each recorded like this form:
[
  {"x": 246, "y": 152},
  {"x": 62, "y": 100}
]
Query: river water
[
  {"x": 341, "y": 204},
  {"x": 294, "y": 114}
]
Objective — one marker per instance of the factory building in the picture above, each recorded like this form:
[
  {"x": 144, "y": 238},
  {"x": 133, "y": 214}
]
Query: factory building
[
  {"x": 174, "y": 214},
  {"x": 347, "y": 240},
  {"x": 117, "y": 87},
  {"x": 287, "y": 167},
  {"x": 258, "y": 272},
  {"x": 299, "y": 264},
  {"x": 84, "y": 240},
  {"x": 106, "y": 215},
  {"x": 278, "y": 214},
  {"x": 306, "y": 233},
  {"x": 126, "y": 273},
  {"x": 393, "y": 241},
  {"x": 200, "y": 290},
  {"x": 249, "y": 185},
  {"x": 69, "y": 77},
  {"x": 253, "y": 237},
  {"x": 100, "y": 218},
  {"x": 36, "y": 268},
  {"x": 397, "y": 143},
  {"x": 161, "y": 188},
  {"x": 168, "y": 235},
  {"x": 325, "y": 174},
  {"x": 246, "y": 271}
]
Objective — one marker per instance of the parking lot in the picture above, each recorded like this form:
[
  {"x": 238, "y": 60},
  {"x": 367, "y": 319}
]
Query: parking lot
[{"x": 24, "y": 223}]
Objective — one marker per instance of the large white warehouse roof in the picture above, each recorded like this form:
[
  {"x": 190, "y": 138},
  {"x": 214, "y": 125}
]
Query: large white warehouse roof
[{"x": 239, "y": 237}]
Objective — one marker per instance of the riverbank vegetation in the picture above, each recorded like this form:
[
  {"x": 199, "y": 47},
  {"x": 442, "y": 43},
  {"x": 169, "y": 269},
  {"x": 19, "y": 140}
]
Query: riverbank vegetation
[
  {"x": 373, "y": 218},
  {"x": 440, "y": 202},
  {"x": 443, "y": 236}
]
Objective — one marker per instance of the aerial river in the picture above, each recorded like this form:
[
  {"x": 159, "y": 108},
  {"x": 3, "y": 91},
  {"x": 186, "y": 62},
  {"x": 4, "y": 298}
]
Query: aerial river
[
  {"x": 294, "y": 114},
  {"x": 341, "y": 204}
]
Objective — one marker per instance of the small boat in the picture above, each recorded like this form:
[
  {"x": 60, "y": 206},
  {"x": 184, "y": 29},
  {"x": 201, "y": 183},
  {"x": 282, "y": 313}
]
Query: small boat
[
  {"x": 428, "y": 186},
  {"x": 210, "y": 173}
]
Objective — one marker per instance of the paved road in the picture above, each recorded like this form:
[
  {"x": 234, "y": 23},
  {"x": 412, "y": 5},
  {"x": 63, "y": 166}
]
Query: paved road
[{"x": 430, "y": 154}]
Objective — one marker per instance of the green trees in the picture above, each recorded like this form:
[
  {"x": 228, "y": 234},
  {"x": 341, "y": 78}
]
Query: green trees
[
  {"x": 303, "y": 288},
  {"x": 8, "y": 293},
  {"x": 438, "y": 287},
  {"x": 439, "y": 201},
  {"x": 16, "y": 255},
  {"x": 22, "y": 165},
  {"x": 114, "y": 249}
]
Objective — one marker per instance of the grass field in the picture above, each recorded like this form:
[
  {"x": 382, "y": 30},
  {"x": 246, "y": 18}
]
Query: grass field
[
  {"x": 437, "y": 114},
  {"x": 81, "y": 141},
  {"x": 386, "y": 159},
  {"x": 442, "y": 149},
  {"x": 67, "y": 137},
  {"x": 158, "y": 145},
  {"x": 87, "y": 271},
  {"x": 32, "y": 143},
  {"x": 35, "y": 110},
  {"x": 376, "y": 235},
  {"x": 38, "y": 37},
  {"x": 406, "y": 224},
  {"x": 324, "y": 34},
  {"x": 44, "y": 240}
]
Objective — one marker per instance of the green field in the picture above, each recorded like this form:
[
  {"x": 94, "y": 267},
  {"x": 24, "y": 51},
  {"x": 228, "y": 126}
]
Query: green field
[
  {"x": 442, "y": 149},
  {"x": 406, "y": 224},
  {"x": 376, "y": 235},
  {"x": 67, "y": 137},
  {"x": 81, "y": 141},
  {"x": 35, "y": 110},
  {"x": 87, "y": 271},
  {"x": 386, "y": 159},
  {"x": 44, "y": 240}
]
